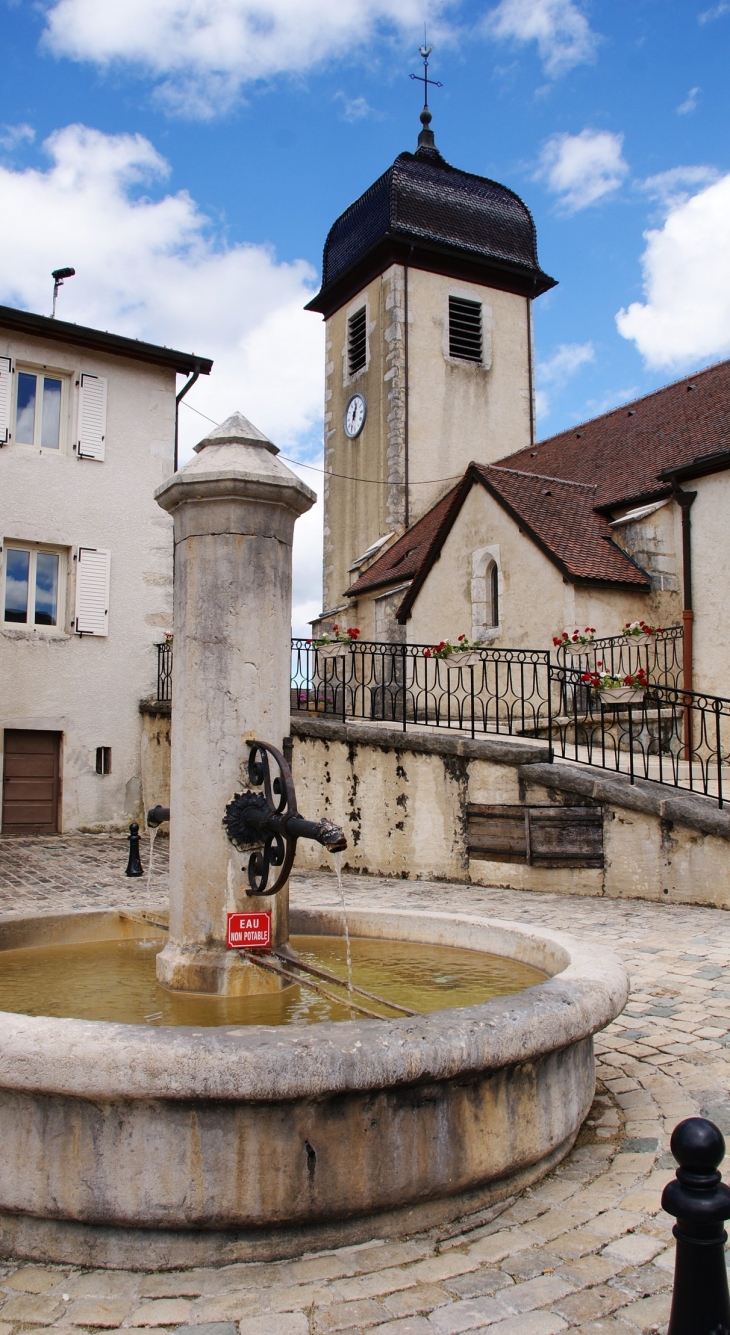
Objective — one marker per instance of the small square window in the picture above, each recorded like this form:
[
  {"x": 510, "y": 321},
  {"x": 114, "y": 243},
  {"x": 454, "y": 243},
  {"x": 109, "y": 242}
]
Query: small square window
[
  {"x": 103, "y": 760},
  {"x": 38, "y": 410},
  {"x": 32, "y": 586}
]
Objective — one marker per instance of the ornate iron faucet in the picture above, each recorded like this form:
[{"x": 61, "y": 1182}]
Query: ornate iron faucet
[{"x": 268, "y": 824}]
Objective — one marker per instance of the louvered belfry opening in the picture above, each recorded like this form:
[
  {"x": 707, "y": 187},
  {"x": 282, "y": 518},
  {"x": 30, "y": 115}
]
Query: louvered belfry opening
[
  {"x": 465, "y": 329},
  {"x": 356, "y": 341}
]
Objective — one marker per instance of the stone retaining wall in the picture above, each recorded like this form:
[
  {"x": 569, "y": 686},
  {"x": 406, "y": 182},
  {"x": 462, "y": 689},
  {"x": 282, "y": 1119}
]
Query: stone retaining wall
[{"x": 403, "y": 801}]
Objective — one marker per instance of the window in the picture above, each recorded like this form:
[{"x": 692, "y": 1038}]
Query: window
[
  {"x": 485, "y": 609},
  {"x": 103, "y": 760},
  {"x": 356, "y": 341},
  {"x": 465, "y": 329},
  {"x": 38, "y": 410},
  {"x": 493, "y": 590},
  {"x": 32, "y": 593}
]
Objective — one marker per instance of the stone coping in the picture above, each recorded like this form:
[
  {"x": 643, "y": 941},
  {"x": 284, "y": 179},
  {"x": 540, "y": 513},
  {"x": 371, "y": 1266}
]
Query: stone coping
[
  {"x": 502, "y": 750},
  {"x": 662, "y": 800},
  {"x": 97, "y": 1060}
]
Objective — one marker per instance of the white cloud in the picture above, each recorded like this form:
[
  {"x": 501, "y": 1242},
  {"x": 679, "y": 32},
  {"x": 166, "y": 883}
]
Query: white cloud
[
  {"x": 716, "y": 12},
  {"x": 685, "y": 317},
  {"x": 675, "y": 186},
  {"x": 13, "y": 135},
  {"x": 356, "y": 108},
  {"x": 562, "y": 32},
  {"x": 582, "y": 168},
  {"x": 689, "y": 104},
  {"x": 555, "y": 371},
  {"x": 205, "y": 51},
  {"x": 155, "y": 269}
]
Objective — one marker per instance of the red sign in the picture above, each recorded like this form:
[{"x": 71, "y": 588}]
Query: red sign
[{"x": 248, "y": 930}]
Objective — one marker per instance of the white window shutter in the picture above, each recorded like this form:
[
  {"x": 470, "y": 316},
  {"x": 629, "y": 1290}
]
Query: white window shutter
[
  {"x": 92, "y": 417},
  {"x": 92, "y": 591},
  {"x": 5, "y": 398}
]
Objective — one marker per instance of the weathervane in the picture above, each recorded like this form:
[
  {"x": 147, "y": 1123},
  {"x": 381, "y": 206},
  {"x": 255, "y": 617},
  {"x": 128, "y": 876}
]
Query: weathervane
[{"x": 425, "y": 138}]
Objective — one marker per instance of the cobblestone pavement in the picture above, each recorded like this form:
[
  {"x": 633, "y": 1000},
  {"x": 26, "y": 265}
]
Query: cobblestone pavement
[{"x": 588, "y": 1249}]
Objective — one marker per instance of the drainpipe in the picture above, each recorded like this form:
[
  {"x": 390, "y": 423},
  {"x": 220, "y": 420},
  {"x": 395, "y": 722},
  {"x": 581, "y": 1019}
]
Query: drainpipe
[
  {"x": 178, "y": 400},
  {"x": 685, "y": 499}
]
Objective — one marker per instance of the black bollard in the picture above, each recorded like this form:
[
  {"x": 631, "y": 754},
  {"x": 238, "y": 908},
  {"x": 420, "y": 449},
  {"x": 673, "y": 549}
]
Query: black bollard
[
  {"x": 134, "y": 866},
  {"x": 700, "y": 1202}
]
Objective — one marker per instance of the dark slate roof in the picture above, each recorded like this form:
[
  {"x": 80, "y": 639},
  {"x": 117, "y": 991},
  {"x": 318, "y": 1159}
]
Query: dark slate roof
[{"x": 425, "y": 212}]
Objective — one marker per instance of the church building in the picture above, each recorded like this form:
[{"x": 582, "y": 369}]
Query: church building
[{"x": 442, "y": 514}]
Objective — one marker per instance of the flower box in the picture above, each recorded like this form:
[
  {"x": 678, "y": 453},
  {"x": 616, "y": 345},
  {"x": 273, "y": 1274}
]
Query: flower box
[
  {"x": 577, "y": 650},
  {"x": 641, "y": 639},
  {"x": 464, "y": 658},
  {"x": 622, "y": 695},
  {"x": 337, "y": 649}
]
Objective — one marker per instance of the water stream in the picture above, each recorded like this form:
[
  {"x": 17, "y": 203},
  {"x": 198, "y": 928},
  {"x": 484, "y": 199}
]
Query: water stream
[
  {"x": 337, "y": 860},
  {"x": 153, "y": 836}
]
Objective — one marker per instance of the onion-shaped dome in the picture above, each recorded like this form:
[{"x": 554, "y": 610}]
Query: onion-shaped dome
[{"x": 424, "y": 212}]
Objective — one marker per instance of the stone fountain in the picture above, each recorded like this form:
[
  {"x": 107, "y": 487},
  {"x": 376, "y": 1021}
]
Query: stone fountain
[{"x": 151, "y": 1147}]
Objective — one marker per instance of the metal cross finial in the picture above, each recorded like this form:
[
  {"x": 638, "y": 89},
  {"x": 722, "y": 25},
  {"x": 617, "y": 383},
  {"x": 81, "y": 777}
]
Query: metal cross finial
[{"x": 424, "y": 52}]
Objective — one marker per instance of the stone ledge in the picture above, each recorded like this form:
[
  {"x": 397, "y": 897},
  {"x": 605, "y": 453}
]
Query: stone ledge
[
  {"x": 156, "y": 708},
  {"x": 501, "y": 750},
  {"x": 653, "y": 799}
]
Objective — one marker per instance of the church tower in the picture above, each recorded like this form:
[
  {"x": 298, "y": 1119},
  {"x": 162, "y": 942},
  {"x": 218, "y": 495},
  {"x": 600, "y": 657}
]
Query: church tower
[{"x": 427, "y": 285}]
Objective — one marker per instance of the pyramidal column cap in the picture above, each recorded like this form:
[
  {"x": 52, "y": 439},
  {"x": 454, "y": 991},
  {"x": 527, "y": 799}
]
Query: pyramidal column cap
[
  {"x": 236, "y": 430},
  {"x": 236, "y": 462}
]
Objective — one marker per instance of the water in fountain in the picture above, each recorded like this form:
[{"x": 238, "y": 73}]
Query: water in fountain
[
  {"x": 337, "y": 860},
  {"x": 116, "y": 981}
]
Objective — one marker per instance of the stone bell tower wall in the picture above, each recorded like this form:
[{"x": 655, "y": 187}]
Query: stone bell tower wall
[{"x": 409, "y": 453}]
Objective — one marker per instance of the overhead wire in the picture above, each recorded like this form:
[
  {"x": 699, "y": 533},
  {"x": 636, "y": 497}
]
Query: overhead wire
[{"x": 347, "y": 477}]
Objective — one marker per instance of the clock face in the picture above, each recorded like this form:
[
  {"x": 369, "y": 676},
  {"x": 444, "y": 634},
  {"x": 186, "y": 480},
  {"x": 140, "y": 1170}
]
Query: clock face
[{"x": 355, "y": 415}]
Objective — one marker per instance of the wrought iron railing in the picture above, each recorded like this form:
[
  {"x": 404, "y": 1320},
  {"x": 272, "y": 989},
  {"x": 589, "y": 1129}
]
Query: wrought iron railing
[
  {"x": 670, "y": 736},
  {"x": 620, "y": 656},
  {"x": 164, "y": 672},
  {"x": 505, "y": 691}
]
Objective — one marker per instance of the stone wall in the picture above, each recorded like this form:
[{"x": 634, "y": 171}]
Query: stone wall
[
  {"x": 155, "y": 756},
  {"x": 403, "y": 801}
]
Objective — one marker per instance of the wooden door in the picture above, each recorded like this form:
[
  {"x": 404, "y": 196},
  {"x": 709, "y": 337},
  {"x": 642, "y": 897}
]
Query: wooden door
[{"x": 31, "y": 782}]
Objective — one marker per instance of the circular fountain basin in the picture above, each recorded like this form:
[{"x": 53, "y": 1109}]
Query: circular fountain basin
[{"x": 145, "y": 1147}]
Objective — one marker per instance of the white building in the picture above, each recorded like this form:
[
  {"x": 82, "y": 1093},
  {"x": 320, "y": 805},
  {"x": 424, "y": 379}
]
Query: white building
[{"x": 87, "y": 431}]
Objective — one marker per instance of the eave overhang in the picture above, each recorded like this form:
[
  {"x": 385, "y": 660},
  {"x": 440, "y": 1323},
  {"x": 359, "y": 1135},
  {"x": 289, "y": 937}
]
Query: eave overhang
[
  {"x": 97, "y": 340},
  {"x": 450, "y": 261}
]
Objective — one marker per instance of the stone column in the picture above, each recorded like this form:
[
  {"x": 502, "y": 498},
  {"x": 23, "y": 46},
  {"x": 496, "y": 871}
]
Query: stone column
[{"x": 234, "y": 508}]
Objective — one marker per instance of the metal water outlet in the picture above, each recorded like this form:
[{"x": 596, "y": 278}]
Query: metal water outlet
[{"x": 267, "y": 823}]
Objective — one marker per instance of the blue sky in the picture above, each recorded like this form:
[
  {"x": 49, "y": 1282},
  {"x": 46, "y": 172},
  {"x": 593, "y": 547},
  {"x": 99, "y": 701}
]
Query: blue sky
[{"x": 188, "y": 157}]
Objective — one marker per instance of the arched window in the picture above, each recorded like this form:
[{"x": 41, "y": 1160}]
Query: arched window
[
  {"x": 485, "y": 592},
  {"x": 493, "y": 590}
]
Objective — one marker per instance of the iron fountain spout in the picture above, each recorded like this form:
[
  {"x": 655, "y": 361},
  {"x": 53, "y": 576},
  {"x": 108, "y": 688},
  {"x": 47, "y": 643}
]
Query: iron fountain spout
[
  {"x": 267, "y": 824},
  {"x": 157, "y": 815}
]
